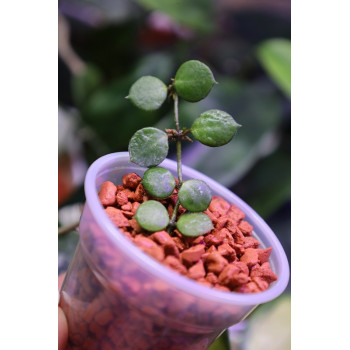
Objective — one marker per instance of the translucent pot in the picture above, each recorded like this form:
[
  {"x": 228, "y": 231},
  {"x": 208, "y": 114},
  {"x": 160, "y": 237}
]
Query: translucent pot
[{"x": 117, "y": 297}]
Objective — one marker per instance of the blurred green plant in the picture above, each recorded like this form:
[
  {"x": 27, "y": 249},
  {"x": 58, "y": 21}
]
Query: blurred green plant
[
  {"x": 269, "y": 326},
  {"x": 195, "y": 14},
  {"x": 66, "y": 246},
  {"x": 269, "y": 183},
  {"x": 221, "y": 343},
  {"x": 275, "y": 57},
  {"x": 258, "y": 105}
]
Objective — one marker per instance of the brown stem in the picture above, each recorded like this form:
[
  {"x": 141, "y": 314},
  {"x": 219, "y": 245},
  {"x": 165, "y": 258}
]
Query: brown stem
[
  {"x": 68, "y": 228},
  {"x": 171, "y": 225},
  {"x": 178, "y": 140}
]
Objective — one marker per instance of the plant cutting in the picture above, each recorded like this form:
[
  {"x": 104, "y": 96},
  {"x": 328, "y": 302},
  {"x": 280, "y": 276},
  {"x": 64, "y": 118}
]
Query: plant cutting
[
  {"x": 210, "y": 259},
  {"x": 149, "y": 147}
]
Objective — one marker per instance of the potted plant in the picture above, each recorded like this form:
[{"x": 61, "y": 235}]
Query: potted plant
[{"x": 117, "y": 296}]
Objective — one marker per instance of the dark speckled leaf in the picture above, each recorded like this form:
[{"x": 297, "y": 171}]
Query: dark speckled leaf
[{"x": 148, "y": 147}]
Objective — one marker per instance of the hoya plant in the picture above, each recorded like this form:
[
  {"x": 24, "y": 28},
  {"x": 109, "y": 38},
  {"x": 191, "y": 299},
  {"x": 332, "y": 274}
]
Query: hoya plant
[{"x": 149, "y": 146}]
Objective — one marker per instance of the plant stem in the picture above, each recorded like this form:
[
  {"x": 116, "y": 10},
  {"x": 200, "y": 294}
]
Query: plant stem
[
  {"x": 178, "y": 141},
  {"x": 176, "y": 111},
  {"x": 179, "y": 165},
  {"x": 171, "y": 225}
]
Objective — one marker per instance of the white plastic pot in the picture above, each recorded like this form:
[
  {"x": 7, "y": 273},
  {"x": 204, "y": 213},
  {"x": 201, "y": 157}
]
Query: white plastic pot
[{"x": 117, "y": 297}]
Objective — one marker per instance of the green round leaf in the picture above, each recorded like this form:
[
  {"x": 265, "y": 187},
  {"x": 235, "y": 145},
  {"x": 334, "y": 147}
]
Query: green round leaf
[
  {"x": 159, "y": 182},
  {"x": 194, "y": 224},
  {"x": 148, "y": 93},
  {"x": 195, "y": 195},
  {"x": 214, "y": 128},
  {"x": 152, "y": 216},
  {"x": 193, "y": 81},
  {"x": 148, "y": 147}
]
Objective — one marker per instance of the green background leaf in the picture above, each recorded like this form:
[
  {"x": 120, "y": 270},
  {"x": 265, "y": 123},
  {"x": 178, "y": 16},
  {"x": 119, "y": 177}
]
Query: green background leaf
[
  {"x": 84, "y": 84},
  {"x": 66, "y": 246},
  {"x": 269, "y": 326},
  {"x": 222, "y": 343},
  {"x": 196, "y": 14},
  {"x": 275, "y": 57}
]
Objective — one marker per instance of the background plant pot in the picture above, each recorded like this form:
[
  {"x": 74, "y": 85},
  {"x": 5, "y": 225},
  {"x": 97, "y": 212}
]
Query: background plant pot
[{"x": 116, "y": 296}]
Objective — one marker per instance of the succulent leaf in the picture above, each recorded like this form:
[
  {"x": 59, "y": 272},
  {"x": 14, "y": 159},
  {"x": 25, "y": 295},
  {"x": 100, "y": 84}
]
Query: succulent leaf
[
  {"x": 159, "y": 182},
  {"x": 195, "y": 195},
  {"x": 194, "y": 224},
  {"x": 152, "y": 216},
  {"x": 148, "y": 147},
  {"x": 148, "y": 93},
  {"x": 214, "y": 128},
  {"x": 193, "y": 81}
]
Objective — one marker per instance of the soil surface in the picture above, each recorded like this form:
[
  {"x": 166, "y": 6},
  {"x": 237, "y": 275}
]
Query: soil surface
[{"x": 227, "y": 258}]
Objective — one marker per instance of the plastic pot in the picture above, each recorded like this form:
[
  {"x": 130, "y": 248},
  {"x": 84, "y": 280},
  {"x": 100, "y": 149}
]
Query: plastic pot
[{"x": 117, "y": 297}]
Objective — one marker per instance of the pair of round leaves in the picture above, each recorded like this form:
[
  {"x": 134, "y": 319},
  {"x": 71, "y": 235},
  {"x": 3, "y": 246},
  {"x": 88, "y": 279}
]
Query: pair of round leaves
[
  {"x": 153, "y": 216},
  {"x": 149, "y": 146},
  {"x": 194, "y": 195},
  {"x": 193, "y": 82}
]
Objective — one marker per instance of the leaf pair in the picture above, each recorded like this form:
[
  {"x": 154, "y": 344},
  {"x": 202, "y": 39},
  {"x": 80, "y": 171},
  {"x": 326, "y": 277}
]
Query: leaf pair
[
  {"x": 153, "y": 216},
  {"x": 193, "y": 82},
  {"x": 193, "y": 195},
  {"x": 149, "y": 146}
]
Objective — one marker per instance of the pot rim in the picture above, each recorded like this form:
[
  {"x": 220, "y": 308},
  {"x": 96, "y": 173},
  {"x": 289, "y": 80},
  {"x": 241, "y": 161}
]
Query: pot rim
[{"x": 161, "y": 271}]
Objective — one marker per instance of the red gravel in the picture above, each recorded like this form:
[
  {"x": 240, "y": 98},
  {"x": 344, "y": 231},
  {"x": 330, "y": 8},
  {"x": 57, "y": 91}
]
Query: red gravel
[{"x": 227, "y": 258}]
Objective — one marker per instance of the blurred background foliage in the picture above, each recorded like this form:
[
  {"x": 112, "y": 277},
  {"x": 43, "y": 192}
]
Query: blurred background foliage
[{"x": 105, "y": 45}]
